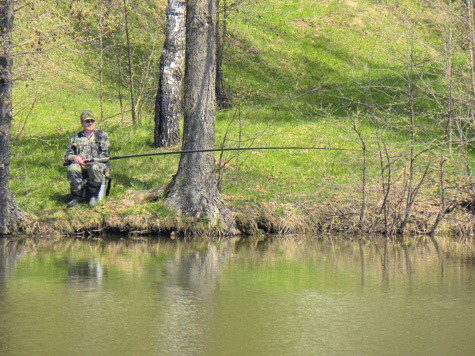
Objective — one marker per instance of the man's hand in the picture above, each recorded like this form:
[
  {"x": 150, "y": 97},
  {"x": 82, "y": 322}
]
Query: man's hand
[{"x": 82, "y": 162}]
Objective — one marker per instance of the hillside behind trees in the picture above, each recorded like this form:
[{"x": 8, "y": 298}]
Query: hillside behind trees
[{"x": 390, "y": 82}]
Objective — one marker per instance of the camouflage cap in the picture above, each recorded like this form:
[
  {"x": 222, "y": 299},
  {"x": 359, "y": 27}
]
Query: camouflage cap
[{"x": 87, "y": 115}]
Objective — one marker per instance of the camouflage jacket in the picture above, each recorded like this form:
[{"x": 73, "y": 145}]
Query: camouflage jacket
[{"x": 96, "y": 146}]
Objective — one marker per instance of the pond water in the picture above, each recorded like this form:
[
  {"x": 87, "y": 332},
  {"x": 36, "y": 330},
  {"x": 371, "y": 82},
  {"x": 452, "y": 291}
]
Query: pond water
[{"x": 281, "y": 296}]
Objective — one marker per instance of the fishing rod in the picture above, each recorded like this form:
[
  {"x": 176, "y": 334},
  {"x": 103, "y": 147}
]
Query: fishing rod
[{"x": 105, "y": 159}]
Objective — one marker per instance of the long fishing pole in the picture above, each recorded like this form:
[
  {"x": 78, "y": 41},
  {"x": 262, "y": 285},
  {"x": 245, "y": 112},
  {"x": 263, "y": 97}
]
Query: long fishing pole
[{"x": 105, "y": 159}]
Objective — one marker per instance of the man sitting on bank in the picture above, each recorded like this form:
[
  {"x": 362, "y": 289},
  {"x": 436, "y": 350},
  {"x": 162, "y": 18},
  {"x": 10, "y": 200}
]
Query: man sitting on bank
[{"x": 84, "y": 177}]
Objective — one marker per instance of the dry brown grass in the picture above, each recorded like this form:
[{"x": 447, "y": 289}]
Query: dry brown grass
[{"x": 140, "y": 213}]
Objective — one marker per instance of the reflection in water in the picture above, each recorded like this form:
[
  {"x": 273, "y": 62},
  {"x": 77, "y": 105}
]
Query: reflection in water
[
  {"x": 200, "y": 270},
  {"x": 297, "y": 295},
  {"x": 408, "y": 264},
  {"x": 3, "y": 293},
  {"x": 85, "y": 274},
  {"x": 362, "y": 262},
  {"x": 193, "y": 278},
  {"x": 9, "y": 254}
]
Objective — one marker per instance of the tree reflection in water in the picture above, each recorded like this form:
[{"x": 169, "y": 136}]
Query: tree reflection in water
[
  {"x": 181, "y": 297},
  {"x": 85, "y": 274},
  {"x": 9, "y": 255},
  {"x": 193, "y": 277},
  {"x": 3, "y": 293}
]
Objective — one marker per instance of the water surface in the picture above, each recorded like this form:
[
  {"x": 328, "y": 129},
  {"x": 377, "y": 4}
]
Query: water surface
[{"x": 283, "y": 296}]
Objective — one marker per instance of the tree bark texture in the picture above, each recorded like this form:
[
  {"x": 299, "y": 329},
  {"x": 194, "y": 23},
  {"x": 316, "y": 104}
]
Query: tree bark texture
[
  {"x": 168, "y": 100},
  {"x": 193, "y": 190},
  {"x": 10, "y": 215}
]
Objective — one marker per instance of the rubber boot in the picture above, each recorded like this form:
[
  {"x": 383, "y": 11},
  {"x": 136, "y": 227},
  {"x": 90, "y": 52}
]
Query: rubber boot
[
  {"x": 93, "y": 193},
  {"x": 73, "y": 202},
  {"x": 93, "y": 201}
]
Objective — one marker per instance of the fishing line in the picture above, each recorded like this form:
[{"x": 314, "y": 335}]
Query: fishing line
[
  {"x": 230, "y": 149},
  {"x": 105, "y": 159}
]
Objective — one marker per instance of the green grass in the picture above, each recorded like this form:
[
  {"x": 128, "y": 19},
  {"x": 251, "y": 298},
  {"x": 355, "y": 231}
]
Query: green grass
[{"x": 298, "y": 72}]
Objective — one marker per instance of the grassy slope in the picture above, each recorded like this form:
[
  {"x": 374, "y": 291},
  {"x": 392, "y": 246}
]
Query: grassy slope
[{"x": 294, "y": 68}]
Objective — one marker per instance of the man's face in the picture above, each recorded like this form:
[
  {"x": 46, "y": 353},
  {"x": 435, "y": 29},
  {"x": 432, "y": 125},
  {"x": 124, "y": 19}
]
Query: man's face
[{"x": 89, "y": 125}]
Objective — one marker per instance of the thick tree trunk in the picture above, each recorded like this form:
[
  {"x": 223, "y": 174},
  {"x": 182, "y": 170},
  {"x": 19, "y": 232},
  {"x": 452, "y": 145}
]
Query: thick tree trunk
[
  {"x": 10, "y": 215},
  {"x": 168, "y": 100},
  {"x": 193, "y": 190}
]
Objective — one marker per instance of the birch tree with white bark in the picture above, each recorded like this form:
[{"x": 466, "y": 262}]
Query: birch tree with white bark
[{"x": 168, "y": 100}]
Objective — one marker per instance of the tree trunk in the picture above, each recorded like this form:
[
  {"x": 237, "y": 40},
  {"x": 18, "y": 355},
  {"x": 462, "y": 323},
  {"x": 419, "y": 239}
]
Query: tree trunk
[
  {"x": 193, "y": 190},
  {"x": 101, "y": 61},
  {"x": 471, "y": 41},
  {"x": 168, "y": 100},
  {"x": 223, "y": 98},
  {"x": 10, "y": 215},
  {"x": 129, "y": 56},
  {"x": 119, "y": 60}
]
